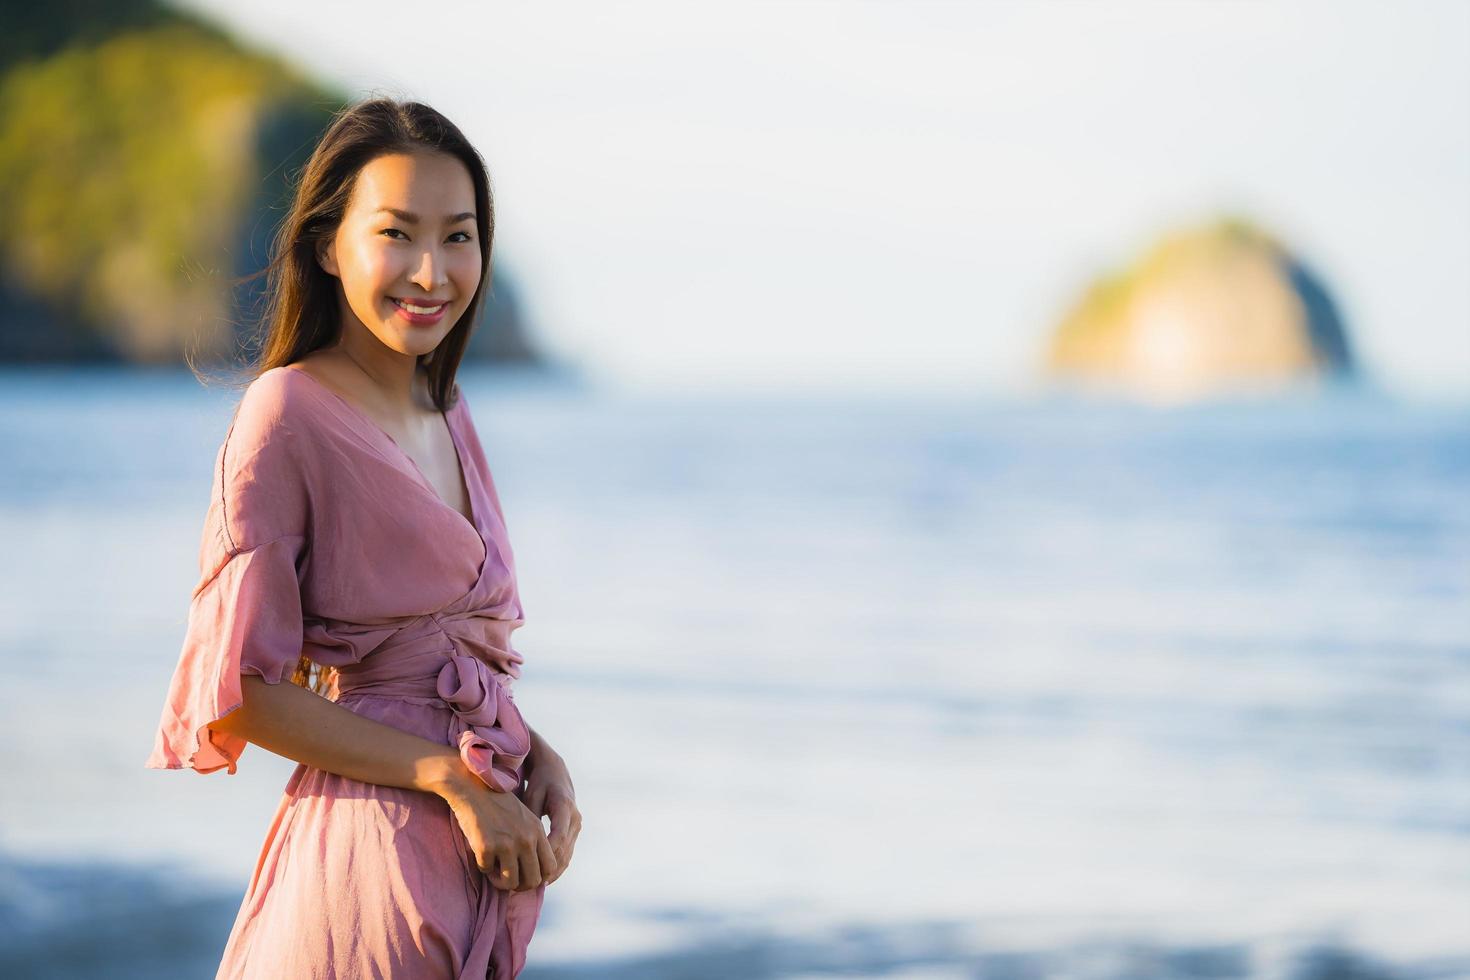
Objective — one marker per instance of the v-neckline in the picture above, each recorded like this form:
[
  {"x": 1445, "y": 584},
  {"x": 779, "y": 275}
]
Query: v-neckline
[{"x": 464, "y": 473}]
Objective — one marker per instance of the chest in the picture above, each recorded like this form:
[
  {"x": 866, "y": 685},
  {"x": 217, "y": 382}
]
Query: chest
[{"x": 433, "y": 455}]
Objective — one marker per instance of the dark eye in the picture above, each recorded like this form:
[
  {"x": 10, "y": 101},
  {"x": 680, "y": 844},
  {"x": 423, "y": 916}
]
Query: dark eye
[
  {"x": 386, "y": 230},
  {"x": 467, "y": 236}
]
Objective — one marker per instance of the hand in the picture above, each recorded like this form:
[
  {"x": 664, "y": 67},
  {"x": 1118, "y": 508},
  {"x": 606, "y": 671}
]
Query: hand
[
  {"x": 509, "y": 843},
  {"x": 549, "y": 793}
]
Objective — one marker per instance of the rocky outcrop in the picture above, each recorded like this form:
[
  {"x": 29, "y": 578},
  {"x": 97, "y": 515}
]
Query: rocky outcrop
[
  {"x": 145, "y": 159},
  {"x": 1222, "y": 308}
]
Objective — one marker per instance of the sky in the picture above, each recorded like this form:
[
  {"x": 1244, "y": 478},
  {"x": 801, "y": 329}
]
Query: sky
[{"x": 909, "y": 195}]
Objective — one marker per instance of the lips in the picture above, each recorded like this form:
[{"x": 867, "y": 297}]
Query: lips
[
  {"x": 429, "y": 319},
  {"x": 420, "y": 307}
]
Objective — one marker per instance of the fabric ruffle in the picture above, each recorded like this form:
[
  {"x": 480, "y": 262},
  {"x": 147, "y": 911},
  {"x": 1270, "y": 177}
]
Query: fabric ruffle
[
  {"x": 497, "y": 741},
  {"x": 246, "y": 618}
]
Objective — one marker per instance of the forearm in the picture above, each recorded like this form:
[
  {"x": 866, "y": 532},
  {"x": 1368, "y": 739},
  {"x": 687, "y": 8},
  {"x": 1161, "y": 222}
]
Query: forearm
[{"x": 291, "y": 721}]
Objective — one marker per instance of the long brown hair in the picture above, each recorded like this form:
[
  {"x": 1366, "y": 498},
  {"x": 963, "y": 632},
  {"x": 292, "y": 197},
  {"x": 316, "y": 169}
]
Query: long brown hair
[{"x": 302, "y": 313}]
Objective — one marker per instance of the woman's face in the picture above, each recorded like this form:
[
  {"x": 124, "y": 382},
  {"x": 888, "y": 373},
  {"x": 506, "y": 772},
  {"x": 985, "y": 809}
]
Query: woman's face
[{"x": 408, "y": 236}]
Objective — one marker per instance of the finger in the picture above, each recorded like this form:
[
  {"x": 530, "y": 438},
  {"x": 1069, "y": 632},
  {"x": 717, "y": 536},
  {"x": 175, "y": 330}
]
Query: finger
[
  {"x": 549, "y": 860},
  {"x": 566, "y": 858},
  {"x": 507, "y": 873},
  {"x": 540, "y": 818},
  {"x": 533, "y": 872},
  {"x": 563, "y": 859},
  {"x": 562, "y": 847},
  {"x": 560, "y": 814},
  {"x": 566, "y": 822}
]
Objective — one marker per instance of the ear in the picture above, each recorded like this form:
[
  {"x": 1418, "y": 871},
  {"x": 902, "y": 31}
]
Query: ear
[{"x": 326, "y": 258}]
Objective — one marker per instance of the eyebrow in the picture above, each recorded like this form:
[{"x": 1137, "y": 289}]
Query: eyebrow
[{"x": 413, "y": 219}]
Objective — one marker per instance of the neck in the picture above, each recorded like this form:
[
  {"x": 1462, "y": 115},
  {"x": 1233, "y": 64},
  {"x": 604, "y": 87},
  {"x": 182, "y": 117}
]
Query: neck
[{"x": 393, "y": 374}]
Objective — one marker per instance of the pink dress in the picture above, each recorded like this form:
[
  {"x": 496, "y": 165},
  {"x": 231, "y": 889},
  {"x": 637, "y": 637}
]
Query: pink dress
[{"x": 323, "y": 536}]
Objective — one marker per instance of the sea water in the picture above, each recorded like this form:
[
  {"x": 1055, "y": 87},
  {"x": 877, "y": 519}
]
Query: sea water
[{"x": 906, "y": 686}]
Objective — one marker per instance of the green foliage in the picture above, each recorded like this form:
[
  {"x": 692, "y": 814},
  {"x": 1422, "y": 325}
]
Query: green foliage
[{"x": 127, "y": 165}]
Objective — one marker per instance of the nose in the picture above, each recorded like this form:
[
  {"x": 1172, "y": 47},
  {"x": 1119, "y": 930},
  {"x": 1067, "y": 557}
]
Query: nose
[{"x": 429, "y": 275}]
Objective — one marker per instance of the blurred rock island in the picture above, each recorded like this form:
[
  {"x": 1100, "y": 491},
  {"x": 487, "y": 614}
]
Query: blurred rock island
[
  {"x": 1216, "y": 309},
  {"x": 145, "y": 159}
]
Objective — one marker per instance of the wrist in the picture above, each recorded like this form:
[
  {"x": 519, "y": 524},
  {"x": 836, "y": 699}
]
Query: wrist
[
  {"x": 446, "y": 775},
  {"x": 541, "y": 750}
]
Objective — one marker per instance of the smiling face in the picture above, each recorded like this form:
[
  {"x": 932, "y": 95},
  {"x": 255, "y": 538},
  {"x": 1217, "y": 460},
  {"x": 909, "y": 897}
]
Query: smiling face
[{"x": 408, "y": 237}]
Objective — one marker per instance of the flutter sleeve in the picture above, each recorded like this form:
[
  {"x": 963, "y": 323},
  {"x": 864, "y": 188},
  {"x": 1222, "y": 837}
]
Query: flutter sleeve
[{"x": 245, "y": 613}]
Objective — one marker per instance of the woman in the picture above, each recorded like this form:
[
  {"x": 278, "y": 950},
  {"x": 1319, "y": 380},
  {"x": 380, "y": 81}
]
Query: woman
[{"x": 355, "y": 545}]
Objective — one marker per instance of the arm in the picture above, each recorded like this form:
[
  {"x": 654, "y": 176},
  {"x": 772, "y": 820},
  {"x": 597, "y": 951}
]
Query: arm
[
  {"x": 291, "y": 721},
  {"x": 540, "y": 749}
]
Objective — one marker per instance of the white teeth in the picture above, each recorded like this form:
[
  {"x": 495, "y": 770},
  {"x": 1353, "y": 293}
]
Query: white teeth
[{"x": 419, "y": 309}]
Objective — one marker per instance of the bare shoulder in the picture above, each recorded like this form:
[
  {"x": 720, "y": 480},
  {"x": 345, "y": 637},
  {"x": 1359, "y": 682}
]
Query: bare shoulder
[{"x": 324, "y": 369}]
